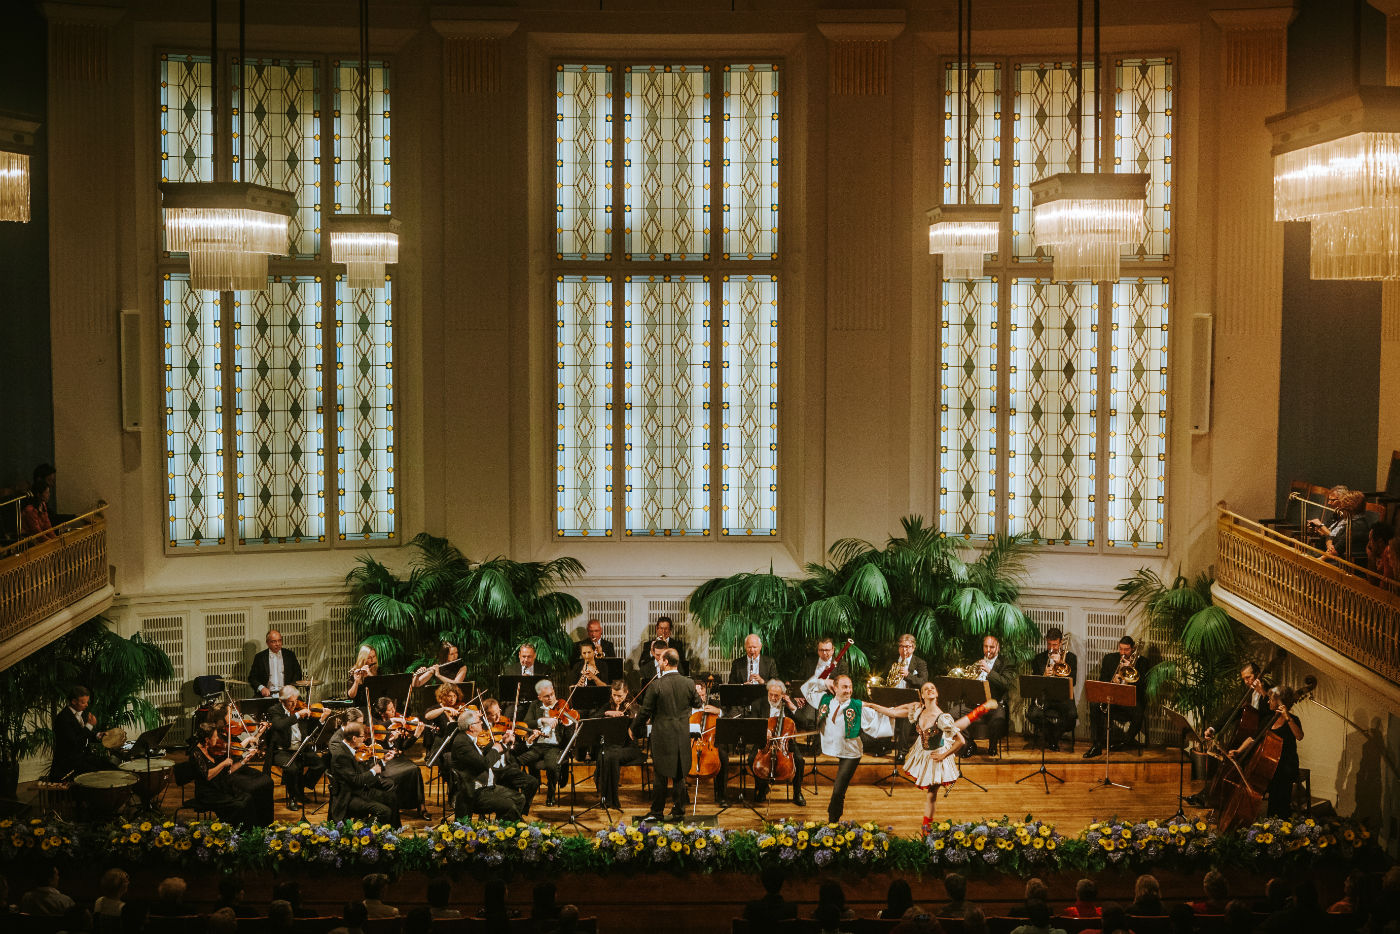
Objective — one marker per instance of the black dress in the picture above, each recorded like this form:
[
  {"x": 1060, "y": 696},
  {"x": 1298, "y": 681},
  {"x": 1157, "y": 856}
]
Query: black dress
[
  {"x": 1281, "y": 785},
  {"x": 230, "y": 803}
]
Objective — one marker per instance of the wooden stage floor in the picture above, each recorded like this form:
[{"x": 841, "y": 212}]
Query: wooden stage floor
[{"x": 1152, "y": 777}]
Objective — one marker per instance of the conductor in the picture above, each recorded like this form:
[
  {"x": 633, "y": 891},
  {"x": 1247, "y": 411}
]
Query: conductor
[{"x": 668, "y": 701}]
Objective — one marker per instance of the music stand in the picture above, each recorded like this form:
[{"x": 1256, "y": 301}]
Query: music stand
[
  {"x": 1189, "y": 738},
  {"x": 391, "y": 686},
  {"x": 609, "y": 668},
  {"x": 602, "y": 731},
  {"x": 741, "y": 732},
  {"x": 1047, "y": 691},
  {"x": 1109, "y": 695},
  {"x": 257, "y": 707},
  {"x": 319, "y": 739},
  {"x": 967, "y": 692},
  {"x": 149, "y": 742},
  {"x": 735, "y": 696},
  {"x": 892, "y": 697},
  {"x": 506, "y": 688}
]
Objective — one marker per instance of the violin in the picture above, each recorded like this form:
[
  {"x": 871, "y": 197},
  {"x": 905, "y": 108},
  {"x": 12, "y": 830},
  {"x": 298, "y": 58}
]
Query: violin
[
  {"x": 561, "y": 711},
  {"x": 374, "y": 752}
]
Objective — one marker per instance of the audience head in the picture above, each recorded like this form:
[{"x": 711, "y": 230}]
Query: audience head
[
  {"x": 374, "y": 885},
  {"x": 289, "y": 892},
  {"x": 114, "y": 883},
  {"x": 1276, "y": 892},
  {"x": 898, "y": 899},
  {"x": 1037, "y": 890},
  {"x": 772, "y": 878},
  {"x": 280, "y": 915},
  {"x": 171, "y": 890},
  {"x": 39, "y": 492},
  {"x": 955, "y": 884},
  {"x": 493, "y": 897},
  {"x": 1038, "y": 913},
  {"x": 1146, "y": 886},
  {"x": 974, "y": 920},
  {"x": 418, "y": 921},
  {"x": 439, "y": 891},
  {"x": 568, "y": 919},
  {"x": 543, "y": 900},
  {"x": 1215, "y": 886},
  {"x": 831, "y": 893},
  {"x": 230, "y": 890},
  {"x": 1085, "y": 890},
  {"x": 223, "y": 921},
  {"x": 1239, "y": 917},
  {"x": 1114, "y": 918}
]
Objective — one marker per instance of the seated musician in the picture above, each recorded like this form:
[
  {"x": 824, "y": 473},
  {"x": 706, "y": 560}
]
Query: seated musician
[
  {"x": 448, "y": 669},
  {"x": 443, "y": 717},
  {"x": 343, "y": 719},
  {"x": 360, "y": 789},
  {"x": 223, "y": 721},
  {"x": 214, "y": 768},
  {"x": 366, "y": 666},
  {"x": 488, "y": 779},
  {"x": 710, "y": 715},
  {"x": 584, "y": 672},
  {"x": 806, "y": 715},
  {"x": 994, "y": 670},
  {"x": 526, "y": 663},
  {"x": 291, "y": 725},
  {"x": 74, "y": 735},
  {"x": 774, "y": 708},
  {"x": 546, "y": 739},
  {"x": 907, "y": 670},
  {"x": 1112, "y": 668},
  {"x": 401, "y": 737},
  {"x": 665, "y": 630},
  {"x": 612, "y": 757},
  {"x": 650, "y": 664},
  {"x": 1289, "y": 729},
  {"x": 1051, "y": 721}
]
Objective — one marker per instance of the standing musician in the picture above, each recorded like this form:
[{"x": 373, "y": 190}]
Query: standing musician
[
  {"x": 74, "y": 733},
  {"x": 273, "y": 668},
  {"x": 753, "y": 667},
  {"x": 1124, "y": 666},
  {"x": 400, "y": 736},
  {"x": 602, "y": 648},
  {"x": 932, "y": 762},
  {"x": 214, "y": 769},
  {"x": 1251, "y": 708},
  {"x": 366, "y": 666},
  {"x": 806, "y": 716},
  {"x": 488, "y": 778},
  {"x": 611, "y": 758},
  {"x": 1289, "y": 730},
  {"x": 527, "y": 664},
  {"x": 360, "y": 788},
  {"x": 650, "y": 665},
  {"x": 1053, "y": 720},
  {"x": 841, "y": 718},
  {"x": 584, "y": 672},
  {"x": 774, "y": 708},
  {"x": 290, "y": 724},
  {"x": 549, "y": 733},
  {"x": 668, "y": 701},
  {"x": 664, "y": 634}
]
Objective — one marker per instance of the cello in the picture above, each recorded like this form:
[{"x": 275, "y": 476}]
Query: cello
[
  {"x": 1245, "y": 784},
  {"x": 774, "y": 762},
  {"x": 704, "y": 754}
]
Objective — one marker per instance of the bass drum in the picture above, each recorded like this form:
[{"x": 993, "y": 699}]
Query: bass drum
[{"x": 102, "y": 794}]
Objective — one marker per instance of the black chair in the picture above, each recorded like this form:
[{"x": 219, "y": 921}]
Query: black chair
[{"x": 184, "y": 773}]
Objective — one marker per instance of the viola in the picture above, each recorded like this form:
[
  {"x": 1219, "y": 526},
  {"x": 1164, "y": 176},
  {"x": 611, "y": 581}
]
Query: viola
[
  {"x": 561, "y": 711},
  {"x": 704, "y": 755}
]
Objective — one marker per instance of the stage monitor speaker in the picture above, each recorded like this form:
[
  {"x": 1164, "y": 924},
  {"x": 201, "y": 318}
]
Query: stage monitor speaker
[
  {"x": 1202, "y": 350},
  {"x": 130, "y": 335}
]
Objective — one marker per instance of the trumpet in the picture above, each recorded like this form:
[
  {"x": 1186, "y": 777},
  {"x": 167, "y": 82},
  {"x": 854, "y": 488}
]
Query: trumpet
[{"x": 1127, "y": 672}]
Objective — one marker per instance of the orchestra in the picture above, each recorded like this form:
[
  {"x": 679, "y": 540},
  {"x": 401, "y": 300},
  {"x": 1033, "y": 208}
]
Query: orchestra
[{"x": 493, "y": 754}]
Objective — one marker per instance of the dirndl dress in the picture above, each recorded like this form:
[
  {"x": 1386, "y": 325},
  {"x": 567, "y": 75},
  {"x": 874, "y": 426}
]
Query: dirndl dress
[{"x": 923, "y": 769}]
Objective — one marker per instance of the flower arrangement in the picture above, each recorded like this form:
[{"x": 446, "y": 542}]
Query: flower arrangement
[
  {"x": 490, "y": 844},
  {"x": 348, "y": 844},
  {"x": 37, "y": 839},
  {"x": 820, "y": 846},
  {"x": 1007, "y": 844},
  {"x": 148, "y": 840},
  {"x": 1149, "y": 842},
  {"x": 674, "y": 846},
  {"x": 1284, "y": 839},
  {"x": 214, "y": 842}
]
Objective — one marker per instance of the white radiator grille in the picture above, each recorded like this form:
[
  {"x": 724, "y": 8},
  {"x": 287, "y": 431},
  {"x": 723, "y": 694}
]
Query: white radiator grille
[
  {"x": 291, "y": 623},
  {"x": 168, "y": 632},
  {"x": 341, "y": 650},
  {"x": 680, "y": 621},
  {"x": 613, "y": 615},
  {"x": 225, "y": 635}
]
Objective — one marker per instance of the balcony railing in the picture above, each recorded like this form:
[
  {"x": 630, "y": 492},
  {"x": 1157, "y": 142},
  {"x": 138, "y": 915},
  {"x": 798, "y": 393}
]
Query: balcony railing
[
  {"x": 41, "y": 575},
  {"x": 1345, "y": 607}
]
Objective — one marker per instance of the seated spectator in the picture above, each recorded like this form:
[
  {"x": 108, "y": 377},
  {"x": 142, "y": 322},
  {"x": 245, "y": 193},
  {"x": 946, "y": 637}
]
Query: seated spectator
[
  {"x": 1377, "y": 541},
  {"x": 1147, "y": 897},
  {"x": 231, "y": 897},
  {"x": 440, "y": 898},
  {"x": 772, "y": 906},
  {"x": 955, "y": 884},
  {"x": 135, "y": 913},
  {"x": 543, "y": 907},
  {"x": 46, "y": 899},
  {"x": 355, "y": 916},
  {"x": 1036, "y": 891},
  {"x": 1386, "y": 914},
  {"x": 280, "y": 917},
  {"x": 290, "y": 892},
  {"x": 1181, "y": 918},
  {"x": 1390, "y": 559},
  {"x": 1113, "y": 920},
  {"x": 113, "y": 887},
  {"x": 568, "y": 920},
  {"x": 223, "y": 921},
  {"x": 1086, "y": 898},
  {"x": 974, "y": 921},
  {"x": 828, "y": 919},
  {"x": 831, "y": 905},
  {"x": 5, "y": 907},
  {"x": 1217, "y": 892},
  {"x": 1239, "y": 917},
  {"x": 374, "y": 886},
  {"x": 918, "y": 924},
  {"x": 493, "y": 903},
  {"x": 1305, "y": 914},
  {"x": 1037, "y": 918},
  {"x": 418, "y": 921},
  {"x": 170, "y": 899},
  {"x": 899, "y": 902},
  {"x": 1345, "y": 536},
  {"x": 34, "y": 517},
  {"x": 76, "y": 920},
  {"x": 1275, "y": 897}
]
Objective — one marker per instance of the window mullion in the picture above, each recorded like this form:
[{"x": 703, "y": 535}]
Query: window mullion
[
  {"x": 228, "y": 425},
  {"x": 614, "y": 266},
  {"x": 716, "y": 272},
  {"x": 330, "y": 420}
]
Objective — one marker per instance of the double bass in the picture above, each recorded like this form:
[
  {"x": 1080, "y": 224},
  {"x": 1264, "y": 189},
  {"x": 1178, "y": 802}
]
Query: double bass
[
  {"x": 1243, "y": 786},
  {"x": 1247, "y": 721}
]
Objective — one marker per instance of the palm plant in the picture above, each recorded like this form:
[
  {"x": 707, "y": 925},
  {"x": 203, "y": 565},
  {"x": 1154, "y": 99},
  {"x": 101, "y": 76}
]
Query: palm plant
[
  {"x": 487, "y": 609},
  {"x": 1209, "y": 644},
  {"x": 730, "y": 608}
]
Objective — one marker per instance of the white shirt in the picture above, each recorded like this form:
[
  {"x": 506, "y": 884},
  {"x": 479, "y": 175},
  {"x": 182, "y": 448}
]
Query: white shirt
[
  {"x": 753, "y": 667},
  {"x": 904, "y": 663},
  {"x": 274, "y": 671},
  {"x": 82, "y": 721},
  {"x": 833, "y": 727},
  {"x": 527, "y": 671}
]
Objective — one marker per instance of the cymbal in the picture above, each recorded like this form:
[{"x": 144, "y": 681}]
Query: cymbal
[{"x": 307, "y": 682}]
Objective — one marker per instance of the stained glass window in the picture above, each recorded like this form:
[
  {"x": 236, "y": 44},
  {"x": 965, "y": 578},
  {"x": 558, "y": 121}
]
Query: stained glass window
[
  {"x": 666, "y": 110},
  {"x": 194, "y": 414},
  {"x": 1052, "y": 411},
  {"x": 981, "y": 126},
  {"x": 666, "y": 392},
  {"x": 1142, "y": 142},
  {"x": 186, "y": 120},
  {"x": 583, "y": 403},
  {"x": 751, "y": 162},
  {"x": 1137, "y": 440},
  {"x": 364, "y": 405},
  {"x": 279, "y": 407},
  {"x": 750, "y": 402},
  {"x": 967, "y": 442},
  {"x": 348, "y": 120},
  {"x": 283, "y": 101},
  {"x": 583, "y": 161},
  {"x": 1044, "y": 130}
]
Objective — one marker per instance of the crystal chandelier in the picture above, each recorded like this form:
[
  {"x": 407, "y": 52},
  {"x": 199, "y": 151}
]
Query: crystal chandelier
[
  {"x": 16, "y": 145},
  {"x": 1087, "y": 218},
  {"x": 1337, "y": 165},
  {"x": 363, "y": 241},
  {"x": 228, "y": 228},
  {"x": 964, "y": 233}
]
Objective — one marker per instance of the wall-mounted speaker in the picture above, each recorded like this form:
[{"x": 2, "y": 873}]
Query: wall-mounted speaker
[
  {"x": 131, "y": 370},
  {"x": 1202, "y": 352}
]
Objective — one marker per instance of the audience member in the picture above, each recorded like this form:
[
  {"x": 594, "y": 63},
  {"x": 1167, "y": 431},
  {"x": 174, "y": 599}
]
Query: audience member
[
  {"x": 1390, "y": 558},
  {"x": 34, "y": 517},
  {"x": 374, "y": 886},
  {"x": 918, "y": 924},
  {"x": 280, "y": 917},
  {"x": 1181, "y": 918},
  {"x": 231, "y": 897},
  {"x": 1217, "y": 892},
  {"x": 1275, "y": 897},
  {"x": 1387, "y": 905},
  {"x": 828, "y": 919},
  {"x": 290, "y": 892},
  {"x": 955, "y": 884},
  {"x": 76, "y": 920},
  {"x": 831, "y": 898},
  {"x": 1304, "y": 914},
  {"x": 418, "y": 921},
  {"x": 112, "y": 888},
  {"x": 543, "y": 907},
  {"x": 899, "y": 902},
  {"x": 170, "y": 898},
  {"x": 440, "y": 899},
  {"x": 355, "y": 916},
  {"x": 5, "y": 907},
  {"x": 568, "y": 920},
  {"x": 493, "y": 903},
  {"x": 1147, "y": 897},
  {"x": 223, "y": 921},
  {"x": 1239, "y": 917},
  {"x": 1355, "y": 892},
  {"x": 1036, "y": 891},
  {"x": 1377, "y": 542},
  {"x": 772, "y": 906},
  {"x": 46, "y": 899},
  {"x": 1345, "y": 537},
  {"x": 974, "y": 920},
  {"x": 1037, "y": 917},
  {"x": 135, "y": 913},
  {"x": 1086, "y": 898}
]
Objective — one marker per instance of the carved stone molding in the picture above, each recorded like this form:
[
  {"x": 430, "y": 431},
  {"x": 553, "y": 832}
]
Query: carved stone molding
[
  {"x": 1255, "y": 50},
  {"x": 472, "y": 54},
  {"x": 860, "y": 57}
]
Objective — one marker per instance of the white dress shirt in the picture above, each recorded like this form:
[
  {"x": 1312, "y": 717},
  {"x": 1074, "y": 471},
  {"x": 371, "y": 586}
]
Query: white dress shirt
[{"x": 274, "y": 671}]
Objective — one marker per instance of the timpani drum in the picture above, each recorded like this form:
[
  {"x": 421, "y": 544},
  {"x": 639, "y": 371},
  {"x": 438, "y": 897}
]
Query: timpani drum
[
  {"x": 151, "y": 777},
  {"x": 102, "y": 794}
]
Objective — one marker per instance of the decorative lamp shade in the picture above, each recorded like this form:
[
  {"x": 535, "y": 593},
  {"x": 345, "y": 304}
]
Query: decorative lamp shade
[
  {"x": 229, "y": 229},
  {"x": 16, "y": 146},
  {"x": 1337, "y": 165},
  {"x": 1086, "y": 219},
  {"x": 964, "y": 234},
  {"x": 364, "y": 243}
]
